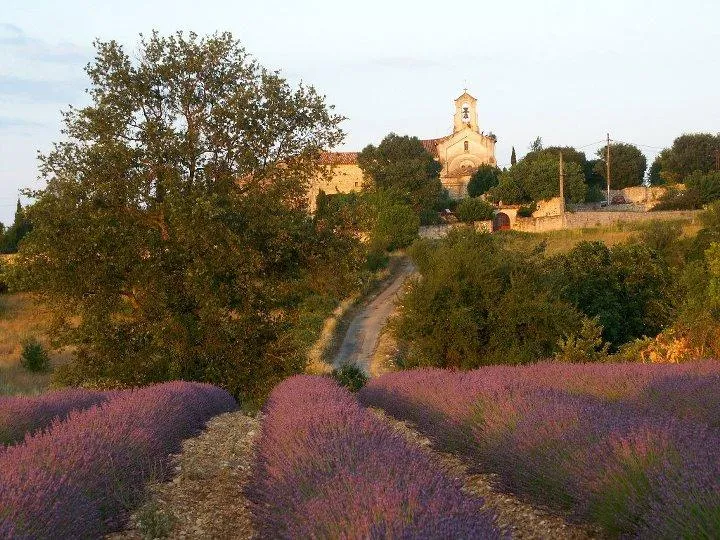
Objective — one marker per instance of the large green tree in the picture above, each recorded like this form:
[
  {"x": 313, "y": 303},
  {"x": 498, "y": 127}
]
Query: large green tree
[
  {"x": 402, "y": 165},
  {"x": 696, "y": 152},
  {"x": 482, "y": 180},
  {"x": 537, "y": 177},
  {"x": 173, "y": 226},
  {"x": 10, "y": 238},
  {"x": 627, "y": 165}
]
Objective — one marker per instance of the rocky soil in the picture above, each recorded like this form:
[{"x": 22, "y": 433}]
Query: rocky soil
[{"x": 204, "y": 499}]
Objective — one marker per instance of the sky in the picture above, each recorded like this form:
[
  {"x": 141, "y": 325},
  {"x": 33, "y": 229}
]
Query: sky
[{"x": 568, "y": 71}]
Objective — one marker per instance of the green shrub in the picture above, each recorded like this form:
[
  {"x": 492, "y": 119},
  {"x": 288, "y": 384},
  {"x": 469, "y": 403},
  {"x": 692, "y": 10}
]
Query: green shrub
[
  {"x": 350, "y": 376},
  {"x": 396, "y": 226},
  {"x": 674, "y": 199},
  {"x": 34, "y": 357},
  {"x": 474, "y": 209},
  {"x": 527, "y": 211}
]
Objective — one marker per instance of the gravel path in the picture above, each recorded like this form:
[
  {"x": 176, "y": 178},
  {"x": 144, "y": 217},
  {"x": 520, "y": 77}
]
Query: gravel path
[
  {"x": 205, "y": 497},
  {"x": 522, "y": 520},
  {"x": 362, "y": 335}
]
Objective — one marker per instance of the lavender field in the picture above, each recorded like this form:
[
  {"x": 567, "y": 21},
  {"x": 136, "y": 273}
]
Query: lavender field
[
  {"x": 635, "y": 448},
  {"x": 79, "y": 477},
  {"x": 328, "y": 468}
]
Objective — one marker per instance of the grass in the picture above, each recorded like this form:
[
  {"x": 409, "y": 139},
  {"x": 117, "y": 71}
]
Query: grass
[
  {"x": 564, "y": 240},
  {"x": 21, "y": 317}
]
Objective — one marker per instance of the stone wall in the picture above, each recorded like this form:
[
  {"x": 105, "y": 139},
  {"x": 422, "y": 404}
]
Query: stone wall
[
  {"x": 581, "y": 220},
  {"x": 342, "y": 179}
]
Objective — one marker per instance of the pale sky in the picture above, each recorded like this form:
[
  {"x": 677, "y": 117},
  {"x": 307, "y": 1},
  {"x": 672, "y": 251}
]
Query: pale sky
[{"x": 569, "y": 71}]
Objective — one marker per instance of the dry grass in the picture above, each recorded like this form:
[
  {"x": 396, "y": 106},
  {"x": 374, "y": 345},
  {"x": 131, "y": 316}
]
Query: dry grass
[
  {"x": 563, "y": 241},
  {"x": 22, "y": 317}
]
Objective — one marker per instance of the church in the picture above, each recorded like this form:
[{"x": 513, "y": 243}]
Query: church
[{"x": 459, "y": 153}]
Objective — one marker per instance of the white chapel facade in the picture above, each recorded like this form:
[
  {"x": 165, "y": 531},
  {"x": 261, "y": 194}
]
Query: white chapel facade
[{"x": 460, "y": 154}]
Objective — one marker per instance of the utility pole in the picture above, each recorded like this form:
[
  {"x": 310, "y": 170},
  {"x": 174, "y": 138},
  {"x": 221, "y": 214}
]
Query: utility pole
[
  {"x": 717, "y": 160},
  {"x": 562, "y": 185},
  {"x": 607, "y": 167},
  {"x": 562, "y": 191}
]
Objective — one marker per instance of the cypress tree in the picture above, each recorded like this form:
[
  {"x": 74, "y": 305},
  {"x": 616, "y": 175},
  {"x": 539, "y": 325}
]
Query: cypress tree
[{"x": 513, "y": 158}]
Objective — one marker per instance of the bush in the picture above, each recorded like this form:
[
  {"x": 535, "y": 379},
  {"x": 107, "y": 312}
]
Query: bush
[
  {"x": 474, "y": 209},
  {"x": 328, "y": 468},
  {"x": 34, "y": 357},
  {"x": 350, "y": 376},
  {"x": 674, "y": 199},
  {"x": 395, "y": 227},
  {"x": 484, "y": 179},
  {"x": 631, "y": 447},
  {"x": 527, "y": 211},
  {"x": 79, "y": 478},
  {"x": 22, "y": 415}
]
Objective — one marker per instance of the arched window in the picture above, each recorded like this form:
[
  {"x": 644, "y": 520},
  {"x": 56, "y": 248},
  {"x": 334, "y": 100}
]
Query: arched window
[{"x": 467, "y": 146}]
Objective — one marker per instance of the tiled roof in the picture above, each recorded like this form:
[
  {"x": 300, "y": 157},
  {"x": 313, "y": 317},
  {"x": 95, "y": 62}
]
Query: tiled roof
[
  {"x": 431, "y": 145},
  {"x": 338, "y": 158}
]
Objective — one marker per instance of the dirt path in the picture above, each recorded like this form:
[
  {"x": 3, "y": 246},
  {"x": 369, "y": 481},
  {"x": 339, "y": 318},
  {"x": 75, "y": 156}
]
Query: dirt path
[
  {"x": 362, "y": 335},
  {"x": 205, "y": 497}
]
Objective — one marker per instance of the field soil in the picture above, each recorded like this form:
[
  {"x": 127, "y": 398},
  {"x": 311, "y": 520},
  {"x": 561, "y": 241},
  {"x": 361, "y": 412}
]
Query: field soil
[
  {"x": 205, "y": 497},
  {"x": 363, "y": 332}
]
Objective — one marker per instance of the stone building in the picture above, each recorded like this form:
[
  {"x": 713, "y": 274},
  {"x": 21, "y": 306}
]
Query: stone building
[{"x": 459, "y": 153}]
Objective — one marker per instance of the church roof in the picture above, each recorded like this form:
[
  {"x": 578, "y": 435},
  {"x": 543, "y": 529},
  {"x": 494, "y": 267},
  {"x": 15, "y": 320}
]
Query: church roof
[
  {"x": 466, "y": 95},
  {"x": 338, "y": 158}
]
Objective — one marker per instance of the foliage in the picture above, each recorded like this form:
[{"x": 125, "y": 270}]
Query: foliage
[
  {"x": 173, "y": 229},
  {"x": 585, "y": 346},
  {"x": 513, "y": 157},
  {"x": 10, "y": 238},
  {"x": 401, "y": 165},
  {"x": 537, "y": 177},
  {"x": 627, "y": 165},
  {"x": 34, "y": 357},
  {"x": 536, "y": 145},
  {"x": 688, "y": 154},
  {"x": 327, "y": 467},
  {"x": 627, "y": 287},
  {"x": 474, "y": 209},
  {"x": 350, "y": 376},
  {"x": 80, "y": 478},
  {"x": 631, "y": 447},
  {"x": 676, "y": 199},
  {"x": 527, "y": 211},
  {"x": 707, "y": 186},
  {"x": 482, "y": 180},
  {"x": 654, "y": 176},
  {"x": 394, "y": 224},
  {"x": 22, "y": 415},
  {"x": 477, "y": 304}
]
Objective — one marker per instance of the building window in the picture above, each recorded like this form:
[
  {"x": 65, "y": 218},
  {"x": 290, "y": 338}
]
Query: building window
[
  {"x": 356, "y": 184},
  {"x": 467, "y": 146}
]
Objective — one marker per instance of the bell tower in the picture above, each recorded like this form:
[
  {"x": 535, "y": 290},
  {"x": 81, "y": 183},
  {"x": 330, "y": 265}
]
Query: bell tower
[{"x": 465, "y": 113}]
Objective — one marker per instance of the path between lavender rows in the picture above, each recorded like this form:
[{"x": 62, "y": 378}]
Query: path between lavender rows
[{"x": 363, "y": 332}]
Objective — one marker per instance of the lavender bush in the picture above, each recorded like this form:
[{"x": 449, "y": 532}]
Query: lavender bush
[
  {"x": 79, "y": 478},
  {"x": 327, "y": 468},
  {"x": 21, "y": 415},
  {"x": 633, "y": 447}
]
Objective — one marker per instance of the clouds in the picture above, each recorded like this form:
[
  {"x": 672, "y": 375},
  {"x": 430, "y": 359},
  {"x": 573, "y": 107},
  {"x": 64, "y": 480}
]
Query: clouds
[{"x": 14, "y": 39}]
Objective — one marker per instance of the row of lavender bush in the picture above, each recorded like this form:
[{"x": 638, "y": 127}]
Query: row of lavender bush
[
  {"x": 633, "y": 447},
  {"x": 79, "y": 478},
  {"x": 24, "y": 415},
  {"x": 327, "y": 468}
]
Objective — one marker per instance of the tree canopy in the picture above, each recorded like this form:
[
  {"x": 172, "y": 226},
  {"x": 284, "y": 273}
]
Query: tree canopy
[
  {"x": 536, "y": 177},
  {"x": 627, "y": 165},
  {"x": 482, "y": 180},
  {"x": 174, "y": 225},
  {"x": 402, "y": 165},
  {"x": 10, "y": 238},
  {"x": 695, "y": 152}
]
